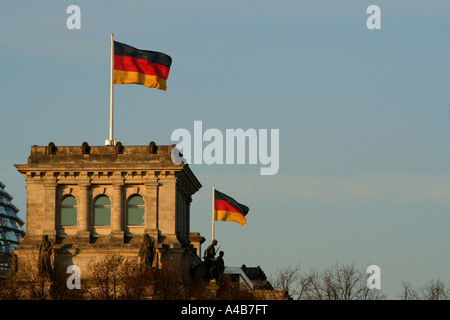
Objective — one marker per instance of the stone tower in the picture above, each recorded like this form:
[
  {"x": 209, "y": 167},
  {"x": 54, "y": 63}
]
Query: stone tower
[{"x": 94, "y": 201}]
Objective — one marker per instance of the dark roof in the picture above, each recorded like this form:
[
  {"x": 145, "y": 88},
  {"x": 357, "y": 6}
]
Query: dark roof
[{"x": 254, "y": 273}]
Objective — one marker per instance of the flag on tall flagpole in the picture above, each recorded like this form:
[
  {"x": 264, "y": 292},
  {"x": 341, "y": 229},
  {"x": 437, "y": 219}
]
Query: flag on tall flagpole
[
  {"x": 130, "y": 65},
  {"x": 148, "y": 68},
  {"x": 228, "y": 209}
]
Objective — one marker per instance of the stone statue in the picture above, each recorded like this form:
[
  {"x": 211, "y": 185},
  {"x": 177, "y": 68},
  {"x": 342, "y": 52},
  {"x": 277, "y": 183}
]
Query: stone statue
[
  {"x": 85, "y": 148},
  {"x": 45, "y": 256},
  {"x": 219, "y": 266},
  {"x": 13, "y": 264},
  {"x": 210, "y": 261},
  {"x": 147, "y": 251},
  {"x": 51, "y": 149},
  {"x": 153, "y": 147},
  {"x": 210, "y": 252},
  {"x": 119, "y": 147}
]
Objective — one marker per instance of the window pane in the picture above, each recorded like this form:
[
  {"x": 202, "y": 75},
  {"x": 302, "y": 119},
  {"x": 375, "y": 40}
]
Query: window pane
[
  {"x": 102, "y": 216},
  {"x": 69, "y": 211},
  {"x": 102, "y": 211},
  {"x": 136, "y": 200},
  {"x": 69, "y": 216},
  {"x": 136, "y": 211},
  {"x": 135, "y": 216},
  {"x": 69, "y": 201},
  {"x": 102, "y": 200}
]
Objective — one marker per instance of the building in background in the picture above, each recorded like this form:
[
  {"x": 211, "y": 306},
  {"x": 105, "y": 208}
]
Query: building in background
[
  {"x": 10, "y": 230},
  {"x": 91, "y": 202},
  {"x": 88, "y": 203}
]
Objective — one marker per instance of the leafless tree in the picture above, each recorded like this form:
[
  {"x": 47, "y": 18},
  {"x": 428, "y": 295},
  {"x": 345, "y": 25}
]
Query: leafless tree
[
  {"x": 31, "y": 284},
  {"x": 167, "y": 284},
  {"x": 436, "y": 290},
  {"x": 104, "y": 278},
  {"x": 433, "y": 290},
  {"x": 343, "y": 283},
  {"x": 230, "y": 290},
  {"x": 293, "y": 281},
  {"x": 195, "y": 286},
  {"x": 408, "y": 292},
  {"x": 11, "y": 288},
  {"x": 338, "y": 282},
  {"x": 116, "y": 277}
]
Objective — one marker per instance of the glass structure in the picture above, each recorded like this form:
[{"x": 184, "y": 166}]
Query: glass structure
[
  {"x": 102, "y": 211},
  {"x": 10, "y": 229},
  {"x": 136, "y": 211},
  {"x": 69, "y": 211}
]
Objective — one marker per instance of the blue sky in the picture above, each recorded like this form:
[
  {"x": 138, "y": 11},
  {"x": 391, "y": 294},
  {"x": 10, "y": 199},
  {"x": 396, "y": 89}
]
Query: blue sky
[{"x": 363, "y": 117}]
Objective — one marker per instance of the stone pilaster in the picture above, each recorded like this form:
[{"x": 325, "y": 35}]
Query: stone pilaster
[
  {"x": 167, "y": 209},
  {"x": 151, "y": 209},
  {"x": 83, "y": 213},
  {"x": 49, "y": 226},
  {"x": 117, "y": 216}
]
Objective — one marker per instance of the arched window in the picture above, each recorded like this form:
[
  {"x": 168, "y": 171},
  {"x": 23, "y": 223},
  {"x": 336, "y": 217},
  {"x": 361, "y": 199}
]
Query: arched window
[
  {"x": 68, "y": 214},
  {"x": 102, "y": 211},
  {"x": 136, "y": 211}
]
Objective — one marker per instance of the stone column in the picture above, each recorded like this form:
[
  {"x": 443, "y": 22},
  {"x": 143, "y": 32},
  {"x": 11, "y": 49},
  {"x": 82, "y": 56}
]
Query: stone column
[
  {"x": 35, "y": 209},
  {"x": 188, "y": 200},
  {"x": 182, "y": 213},
  {"x": 151, "y": 209},
  {"x": 167, "y": 210},
  {"x": 117, "y": 214},
  {"x": 177, "y": 211},
  {"x": 49, "y": 227},
  {"x": 183, "y": 237},
  {"x": 83, "y": 210}
]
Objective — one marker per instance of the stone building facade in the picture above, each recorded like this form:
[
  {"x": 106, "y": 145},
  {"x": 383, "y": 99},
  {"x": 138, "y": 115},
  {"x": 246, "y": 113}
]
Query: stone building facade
[{"x": 93, "y": 201}]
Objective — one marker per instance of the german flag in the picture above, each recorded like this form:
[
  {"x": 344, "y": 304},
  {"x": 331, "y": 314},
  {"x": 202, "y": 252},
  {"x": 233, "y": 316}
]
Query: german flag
[
  {"x": 148, "y": 68},
  {"x": 228, "y": 209}
]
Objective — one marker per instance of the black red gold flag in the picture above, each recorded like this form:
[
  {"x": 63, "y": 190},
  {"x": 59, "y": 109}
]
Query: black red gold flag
[
  {"x": 228, "y": 209},
  {"x": 148, "y": 68}
]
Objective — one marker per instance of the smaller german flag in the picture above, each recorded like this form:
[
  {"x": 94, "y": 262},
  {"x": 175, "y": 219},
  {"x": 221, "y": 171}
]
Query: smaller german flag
[
  {"x": 228, "y": 209},
  {"x": 149, "y": 68}
]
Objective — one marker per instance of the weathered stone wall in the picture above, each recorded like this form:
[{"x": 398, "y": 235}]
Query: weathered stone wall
[{"x": 119, "y": 172}]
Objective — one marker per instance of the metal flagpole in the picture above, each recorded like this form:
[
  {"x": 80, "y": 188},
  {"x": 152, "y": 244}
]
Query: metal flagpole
[
  {"x": 111, "y": 141},
  {"x": 213, "y": 194}
]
